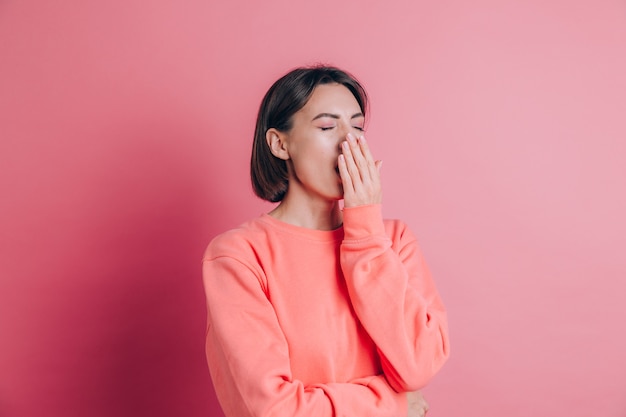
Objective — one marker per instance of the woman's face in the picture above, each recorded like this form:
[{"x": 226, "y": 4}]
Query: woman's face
[{"x": 314, "y": 141}]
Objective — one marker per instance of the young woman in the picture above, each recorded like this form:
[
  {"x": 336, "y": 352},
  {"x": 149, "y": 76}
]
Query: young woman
[{"x": 313, "y": 309}]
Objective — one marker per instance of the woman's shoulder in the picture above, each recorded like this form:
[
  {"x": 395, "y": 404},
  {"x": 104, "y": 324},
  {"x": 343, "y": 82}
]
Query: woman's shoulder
[{"x": 237, "y": 242}]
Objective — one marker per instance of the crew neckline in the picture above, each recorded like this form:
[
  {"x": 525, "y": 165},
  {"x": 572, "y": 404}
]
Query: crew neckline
[{"x": 304, "y": 232}]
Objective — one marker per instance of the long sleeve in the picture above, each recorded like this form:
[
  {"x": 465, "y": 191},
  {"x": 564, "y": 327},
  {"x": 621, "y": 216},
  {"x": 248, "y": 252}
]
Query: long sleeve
[
  {"x": 249, "y": 361},
  {"x": 394, "y": 297}
]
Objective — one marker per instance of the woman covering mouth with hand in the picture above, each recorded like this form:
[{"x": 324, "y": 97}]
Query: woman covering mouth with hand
[{"x": 314, "y": 309}]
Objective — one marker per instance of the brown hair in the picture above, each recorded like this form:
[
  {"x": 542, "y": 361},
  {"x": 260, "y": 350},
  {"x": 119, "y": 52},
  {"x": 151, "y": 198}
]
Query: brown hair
[{"x": 284, "y": 98}]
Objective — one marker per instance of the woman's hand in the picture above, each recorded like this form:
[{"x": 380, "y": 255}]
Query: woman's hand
[
  {"x": 359, "y": 173},
  {"x": 417, "y": 404}
]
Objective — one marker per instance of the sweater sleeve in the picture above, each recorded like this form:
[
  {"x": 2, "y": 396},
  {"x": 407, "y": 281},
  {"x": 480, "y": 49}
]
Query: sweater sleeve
[
  {"x": 394, "y": 297},
  {"x": 248, "y": 357}
]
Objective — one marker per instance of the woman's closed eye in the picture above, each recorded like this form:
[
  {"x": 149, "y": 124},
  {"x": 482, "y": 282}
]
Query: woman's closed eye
[{"x": 359, "y": 128}]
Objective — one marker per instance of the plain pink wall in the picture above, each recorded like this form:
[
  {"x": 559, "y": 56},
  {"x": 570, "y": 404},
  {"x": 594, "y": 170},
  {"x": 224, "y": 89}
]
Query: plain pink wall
[{"x": 125, "y": 130}]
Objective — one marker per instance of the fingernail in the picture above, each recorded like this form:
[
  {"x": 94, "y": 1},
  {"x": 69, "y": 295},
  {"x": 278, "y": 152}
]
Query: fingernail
[
  {"x": 362, "y": 139},
  {"x": 350, "y": 137}
]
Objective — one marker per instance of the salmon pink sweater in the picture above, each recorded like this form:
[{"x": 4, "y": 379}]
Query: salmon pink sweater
[{"x": 314, "y": 323}]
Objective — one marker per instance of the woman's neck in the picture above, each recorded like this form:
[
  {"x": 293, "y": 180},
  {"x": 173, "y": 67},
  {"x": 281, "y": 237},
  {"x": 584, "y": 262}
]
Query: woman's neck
[{"x": 312, "y": 214}]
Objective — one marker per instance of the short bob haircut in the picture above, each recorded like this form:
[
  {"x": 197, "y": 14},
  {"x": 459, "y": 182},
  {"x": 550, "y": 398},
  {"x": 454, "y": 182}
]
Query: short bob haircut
[{"x": 285, "y": 98}]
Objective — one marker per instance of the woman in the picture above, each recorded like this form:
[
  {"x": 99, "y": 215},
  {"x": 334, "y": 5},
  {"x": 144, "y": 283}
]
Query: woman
[{"x": 315, "y": 310}]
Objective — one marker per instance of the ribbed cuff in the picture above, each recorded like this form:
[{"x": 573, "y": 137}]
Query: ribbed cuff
[{"x": 363, "y": 221}]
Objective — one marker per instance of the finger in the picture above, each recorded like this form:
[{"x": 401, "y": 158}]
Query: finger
[
  {"x": 351, "y": 164},
  {"x": 368, "y": 158},
  {"x": 369, "y": 168},
  {"x": 346, "y": 179},
  {"x": 360, "y": 160},
  {"x": 379, "y": 165}
]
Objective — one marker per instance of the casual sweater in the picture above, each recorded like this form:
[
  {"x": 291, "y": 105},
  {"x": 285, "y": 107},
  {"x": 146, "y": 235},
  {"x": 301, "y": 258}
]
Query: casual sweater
[{"x": 315, "y": 323}]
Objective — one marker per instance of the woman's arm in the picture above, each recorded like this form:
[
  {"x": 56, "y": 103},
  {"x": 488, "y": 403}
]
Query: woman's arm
[
  {"x": 394, "y": 297},
  {"x": 248, "y": 357},
  {"x": 390, "y": 287}
]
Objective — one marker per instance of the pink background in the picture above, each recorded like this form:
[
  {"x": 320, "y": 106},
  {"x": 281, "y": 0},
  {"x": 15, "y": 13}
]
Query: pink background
[{"x": 125, "y": 132}]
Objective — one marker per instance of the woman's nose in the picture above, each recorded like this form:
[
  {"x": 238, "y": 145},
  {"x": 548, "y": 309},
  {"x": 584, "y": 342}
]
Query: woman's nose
[
  {"x": 346, "y": 128},
  {"x": 343, "y": 134}
]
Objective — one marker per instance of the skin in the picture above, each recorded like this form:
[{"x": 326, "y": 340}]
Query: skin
[
  {"x": 417, "y": 405},
  {"x": 328, "y": 160}
]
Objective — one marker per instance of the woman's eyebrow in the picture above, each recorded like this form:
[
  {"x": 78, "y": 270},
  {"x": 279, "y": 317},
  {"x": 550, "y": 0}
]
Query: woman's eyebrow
[{"x": 336, "y": 116}]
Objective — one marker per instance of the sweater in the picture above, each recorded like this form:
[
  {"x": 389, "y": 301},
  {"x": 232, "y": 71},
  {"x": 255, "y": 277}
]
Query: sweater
[{"x": 313, "y": 323}]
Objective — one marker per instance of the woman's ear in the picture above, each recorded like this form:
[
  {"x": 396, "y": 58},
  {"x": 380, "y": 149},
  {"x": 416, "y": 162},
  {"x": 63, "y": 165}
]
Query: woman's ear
[{"x": 276, "y": 141}]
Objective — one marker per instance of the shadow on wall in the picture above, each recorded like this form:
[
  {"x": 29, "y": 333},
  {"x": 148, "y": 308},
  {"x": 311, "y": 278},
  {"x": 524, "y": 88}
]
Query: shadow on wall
[
  {"x": 155, "y": 310},
  {"x": 114, "y": 311}
]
